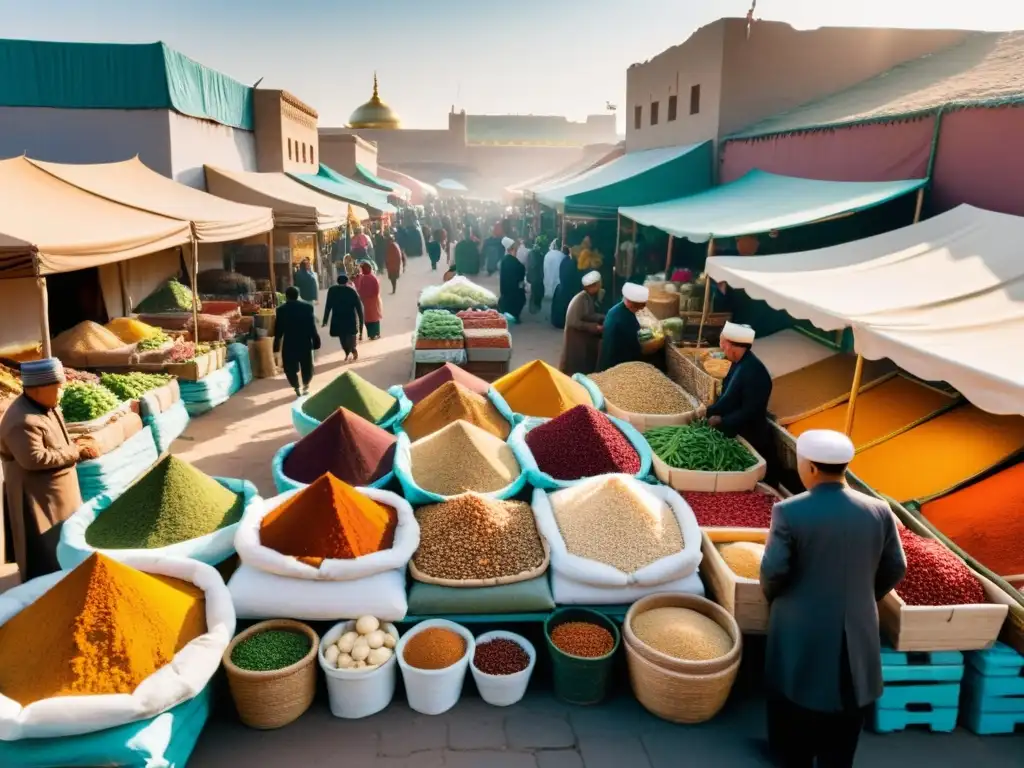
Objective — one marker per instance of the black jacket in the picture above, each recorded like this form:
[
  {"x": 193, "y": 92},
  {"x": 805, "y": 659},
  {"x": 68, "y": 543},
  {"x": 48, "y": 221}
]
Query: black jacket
[
  {"x": 743, "y": 405},
  {"x": 344, "y": 311},
  {"x": 295, "y": 334}
]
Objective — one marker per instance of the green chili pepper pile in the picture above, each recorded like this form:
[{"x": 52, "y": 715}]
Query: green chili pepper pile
[{"x": 699, "y": 447}]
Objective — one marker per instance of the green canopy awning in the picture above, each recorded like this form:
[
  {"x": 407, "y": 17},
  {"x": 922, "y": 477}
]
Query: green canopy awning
[
  {"x": 365, "y": 176},
  {"x": 334, "y": 184},
  {"x": 636, "y": 178},
  {"x": 762, "y": 202}
]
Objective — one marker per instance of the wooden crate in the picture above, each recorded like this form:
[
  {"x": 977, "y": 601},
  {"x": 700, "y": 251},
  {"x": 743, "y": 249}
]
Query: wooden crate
[
  {"x": 682, "y": 367},
  {"x": 712, "y": 482},
  {"x": 200, "y": 368},
  {"x": 740, "y": 596},
  {"x": 486, "y": 370}
]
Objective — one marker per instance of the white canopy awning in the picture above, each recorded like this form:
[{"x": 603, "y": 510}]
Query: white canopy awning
[{"x": 944, "y": 299}]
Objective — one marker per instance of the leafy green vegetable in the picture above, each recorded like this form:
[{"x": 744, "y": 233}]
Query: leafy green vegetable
[
  {"x": 156, "y": 341},
  {"x": 81, "y": 401},
  {"x": 700, "y": 447},
  {"x": 439, "y": 324},
  {"x": 172, "y": 296},
  {"x": 131, "y": 386}
]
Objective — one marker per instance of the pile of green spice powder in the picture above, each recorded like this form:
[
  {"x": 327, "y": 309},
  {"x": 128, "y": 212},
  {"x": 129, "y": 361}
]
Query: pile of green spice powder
[
  {"x": 270, "y": 650},
  {"x": 171, "y": 503},
  {"x": 351, "y": 391}
]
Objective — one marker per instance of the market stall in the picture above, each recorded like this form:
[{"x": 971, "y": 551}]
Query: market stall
[{"x": 328, "y": 181}]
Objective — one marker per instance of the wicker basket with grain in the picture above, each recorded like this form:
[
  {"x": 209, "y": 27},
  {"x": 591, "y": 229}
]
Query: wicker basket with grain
[
  {"x": 663, "y": 305},
  {"x": 683, "y": 367},
  {"x": 673, "y": 689},
  {"x": 272, "y": 699}
]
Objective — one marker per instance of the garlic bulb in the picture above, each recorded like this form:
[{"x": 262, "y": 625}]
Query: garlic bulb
[
  {"x": 346, "y": 641},
  {"x": 367, "y": 624},
  {"x": 375, "y": 639}
]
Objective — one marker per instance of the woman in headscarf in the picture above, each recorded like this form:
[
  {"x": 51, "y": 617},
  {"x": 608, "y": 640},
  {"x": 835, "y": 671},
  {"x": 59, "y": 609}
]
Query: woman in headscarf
[
  {"x": 437, "y": 245},
  {"x": 512, "y": 294},
  {"x": 361, "y": 247},
  {"x": 535, "y": 275},
  {"x": 569, "y": 284},
  {"x": 394, "y": 261},
  {"x": 493, "y": 250},
  {"x": 368, "y": 287}
]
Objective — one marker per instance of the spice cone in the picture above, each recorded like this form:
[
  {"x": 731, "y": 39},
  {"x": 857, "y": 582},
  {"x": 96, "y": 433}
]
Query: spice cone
[
  {"x": 537, "y": 389},
  {"x": 348, "y": 446}
]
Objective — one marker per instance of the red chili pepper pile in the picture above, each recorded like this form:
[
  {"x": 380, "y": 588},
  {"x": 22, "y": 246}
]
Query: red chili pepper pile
[
  {"x": 582, "y": 442},
  {"x": 734, "y": 509},
  {"x": 181, "y": 352},
  {"x": 935, "y": 576}
]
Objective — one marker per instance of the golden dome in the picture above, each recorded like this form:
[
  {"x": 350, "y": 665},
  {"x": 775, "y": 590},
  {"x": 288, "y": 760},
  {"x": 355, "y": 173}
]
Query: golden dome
[{"x": 374, "y": 113}]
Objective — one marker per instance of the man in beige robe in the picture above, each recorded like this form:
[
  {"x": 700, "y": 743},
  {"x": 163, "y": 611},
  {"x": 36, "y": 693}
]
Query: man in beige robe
[
  {"x": 583, "y": 328},
  {"x": 39, "y": 460}
]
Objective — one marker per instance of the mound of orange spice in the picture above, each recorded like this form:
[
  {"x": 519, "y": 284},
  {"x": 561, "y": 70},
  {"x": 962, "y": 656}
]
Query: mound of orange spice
[{"x": 103, "y": 628}]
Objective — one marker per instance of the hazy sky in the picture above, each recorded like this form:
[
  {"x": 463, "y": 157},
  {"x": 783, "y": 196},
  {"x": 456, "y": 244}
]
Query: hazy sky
[{"x": 486, "y": 56}]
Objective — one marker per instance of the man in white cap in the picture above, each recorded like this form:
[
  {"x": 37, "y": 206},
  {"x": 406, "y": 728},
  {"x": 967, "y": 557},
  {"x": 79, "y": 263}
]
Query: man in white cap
[
  {"x": 742, "y": 408},
  {"x": 619, "y": 341},
  {"x": 583, "y": 328},
  {"x": 832, "y": 554},
  {"x": 511, "y": 279},
  {"x": 39, "y": 460}
]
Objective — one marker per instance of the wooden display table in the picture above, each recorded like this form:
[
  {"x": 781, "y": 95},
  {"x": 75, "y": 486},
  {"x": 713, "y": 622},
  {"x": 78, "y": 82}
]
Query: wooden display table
[{"x": 486, "y": 370}]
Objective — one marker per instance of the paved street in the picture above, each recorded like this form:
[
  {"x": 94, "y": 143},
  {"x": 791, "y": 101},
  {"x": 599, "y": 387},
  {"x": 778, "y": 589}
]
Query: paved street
[{"x": 239, "y": 440}]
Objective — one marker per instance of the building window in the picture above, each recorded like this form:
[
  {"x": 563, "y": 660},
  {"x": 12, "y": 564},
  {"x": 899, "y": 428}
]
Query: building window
[
  {"x": 694, "y": 99},
  {"x": 654, "y": 112},
  {"x": 289, "y": 149},
  {"x": 673, "y": 106},
  {"x": 303, "y": 151},
  {"x": 638, "y": 117},
  {"x": 312, "y": 158}
]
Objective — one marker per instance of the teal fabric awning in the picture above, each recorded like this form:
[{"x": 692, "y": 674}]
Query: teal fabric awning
[
  {"x": 368, "y": 177},
  {"x": 635, "y": 178},
  {"x": 761, "y": 202},
  {"x": 334, "y": 184}
]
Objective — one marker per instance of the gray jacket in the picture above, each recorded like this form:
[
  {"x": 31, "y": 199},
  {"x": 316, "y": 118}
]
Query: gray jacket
[{"x": 832, "y": 554}]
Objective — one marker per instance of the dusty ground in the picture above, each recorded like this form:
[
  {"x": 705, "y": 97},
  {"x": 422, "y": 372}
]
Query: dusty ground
[{"x": 239, "y": 440}]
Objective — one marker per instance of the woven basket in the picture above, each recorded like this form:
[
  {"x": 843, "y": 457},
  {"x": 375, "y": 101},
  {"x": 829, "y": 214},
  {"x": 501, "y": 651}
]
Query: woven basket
[
  {"x": 496, "y": 581},
  {"x": 677, "y": 694},
  {"x": 684, "y": 369},
  {"x": 267, "y": 700}
]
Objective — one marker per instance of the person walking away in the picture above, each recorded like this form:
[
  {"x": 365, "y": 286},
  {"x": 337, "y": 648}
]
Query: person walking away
[
  {"x": 395, "y": 262},
  {"x": 295, "y": 337},
  {"x": 361, "y": 246},
  {"x": 832, "y": 554},
  {"x": 512, "y": 294},
  {"x": 523, "y": 253},
  {"x": 380, "y": 250},
  {"x": 742, "y": 408},
  {"x": 569, "y": 284},
  {"x": 344, "y": 311},
  {"x": 435, "y": 248},
  {"x": 307, "y": 282},
  {"x": 467, "y": 256},
  {"x": 583, "y": 328},
  {"x": 493, "y": 250},
  {"x": 619, "y": 340},
  {"x": 38, "y": 458},
  {"x": 535, "y": 275},
  {"x": 552, "y": 260},
  {"x": 367, "y": 286}
]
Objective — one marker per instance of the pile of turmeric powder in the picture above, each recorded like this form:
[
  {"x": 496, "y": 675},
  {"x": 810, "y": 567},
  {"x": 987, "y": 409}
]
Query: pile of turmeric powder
[
  {"x": 449, "y": 403},
  {"x": 104, "y": 628},
  {"x": 537, "y": 389}
]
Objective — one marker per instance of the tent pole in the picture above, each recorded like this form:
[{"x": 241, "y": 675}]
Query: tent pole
[
  {"x": 668, "y": 259},
  {"x": 565, "y": 229},
  {"x": 270, "y": 264},
  {"x": 126, "y": 299},
  {"x": 707, "y": 294},
  {"x": 917, "y": 206},
  {"x": 195, "y": 289},
  {"x": 44, "y": 315},
  {"x": 858, "y": 374}
]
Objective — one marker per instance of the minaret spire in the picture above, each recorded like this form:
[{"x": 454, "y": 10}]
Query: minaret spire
[{"x": 375, "y": 94}]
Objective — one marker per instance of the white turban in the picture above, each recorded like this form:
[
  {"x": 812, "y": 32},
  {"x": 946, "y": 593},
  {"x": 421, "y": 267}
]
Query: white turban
[
  {"x": 738, "y": 334},
  {"x": 635, "y": 293},
  {"x": 591, "y": 277},
  {"x": 507, "y": 242},
  {"x": 825, "y": 446}
]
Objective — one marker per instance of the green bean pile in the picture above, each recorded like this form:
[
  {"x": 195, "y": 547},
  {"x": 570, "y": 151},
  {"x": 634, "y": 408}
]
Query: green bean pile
[{"x": 699, "y": 447}]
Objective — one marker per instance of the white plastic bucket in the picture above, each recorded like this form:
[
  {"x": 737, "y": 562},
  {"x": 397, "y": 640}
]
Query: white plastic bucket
[
  {"x": 356, "y": 693},
  {"x": 504, "y": 690},
  {"x": 434, "y": 691}
]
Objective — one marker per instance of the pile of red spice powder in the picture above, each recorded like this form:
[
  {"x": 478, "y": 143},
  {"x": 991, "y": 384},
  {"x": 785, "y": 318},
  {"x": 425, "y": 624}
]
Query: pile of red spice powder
[
  {"x": 419, "y": 388},
  {"x": 732, "y": 509},
  {"x": 935, "y": 576},
  {"x": 348, "y": 446},
  {"x": 582, "y": 442}
]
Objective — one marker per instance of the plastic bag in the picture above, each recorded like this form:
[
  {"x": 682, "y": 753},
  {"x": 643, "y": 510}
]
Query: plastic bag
[
  {"x": 118, "y": 469},
  {"x": 214, "y": 389},
  {"x": 542, "y": 480},
  {"x": 254, "y": 554},
  {"x": 213, "y": 548},
  {"x": 419, "y": 496},
  {"x": 188, "y": 673},
  {"x": 576, "y": 568},
  {"x": 169, "y": 426}
]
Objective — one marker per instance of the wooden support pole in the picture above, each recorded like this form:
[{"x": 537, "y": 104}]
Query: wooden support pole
[
  {"x": 668, "y": 258},
  {"x": 44, "y": 316},
  {"x": 705, "y": 309},
  {"x": 851, "y": 407},
  {"x": 918, "y": 205},
  {"x": 270, "y": 264},
  {"x": 195, "y": 290},
  {"x": 126, "y": 299},
  {"x": 565, "y": 229}
]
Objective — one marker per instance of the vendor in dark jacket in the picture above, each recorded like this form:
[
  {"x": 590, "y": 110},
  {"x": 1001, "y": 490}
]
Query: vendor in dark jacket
[
  {"x": 620, "y": 342},
  {"x": 344, "y": 311},
  {"x": 742, "y": 408}
]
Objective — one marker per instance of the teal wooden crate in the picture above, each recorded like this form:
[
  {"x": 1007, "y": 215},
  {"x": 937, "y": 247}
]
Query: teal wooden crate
[
  {"x": 992, "y": 723},
  {"x": 921, "y": 666},
  {"x": 998, "y": 661},
  {"x": 924, "y": 695},
  {"x": 937, "y": 720}
]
